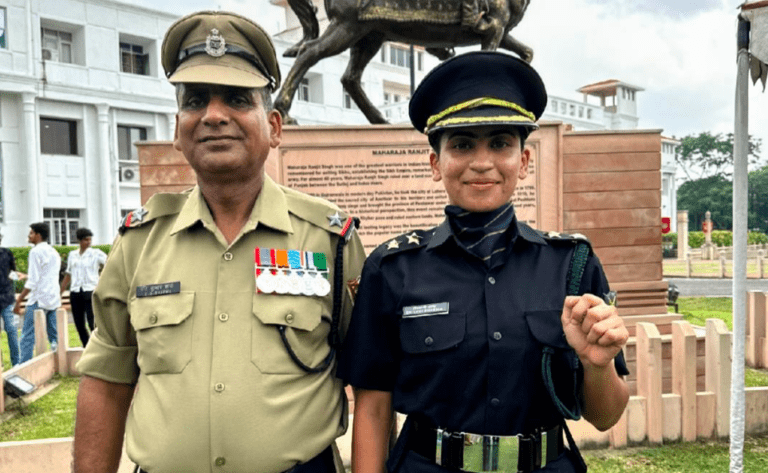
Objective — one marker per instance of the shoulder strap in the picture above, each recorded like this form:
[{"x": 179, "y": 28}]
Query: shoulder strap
[
  {"x": 572, "y": 285},
  {"x": 576, "y": 269}
]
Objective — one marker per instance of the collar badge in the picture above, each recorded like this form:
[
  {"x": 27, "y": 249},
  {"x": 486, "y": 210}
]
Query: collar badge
[{"x": 214, "y": 44}]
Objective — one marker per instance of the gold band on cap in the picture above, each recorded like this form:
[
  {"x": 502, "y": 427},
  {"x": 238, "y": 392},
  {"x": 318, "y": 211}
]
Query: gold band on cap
[
  {"x": 502, "y": 119},
  {"x": 480, "y": 102}
]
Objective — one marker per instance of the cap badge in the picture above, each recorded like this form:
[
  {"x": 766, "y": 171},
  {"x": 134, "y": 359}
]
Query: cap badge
[{"x": 214, "y": 44}]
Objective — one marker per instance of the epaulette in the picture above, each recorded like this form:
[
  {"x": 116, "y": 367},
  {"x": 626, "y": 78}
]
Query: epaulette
[
  {"x": 563, "y": 237},
  {"x": 407, "y": 241},
  {"x": 320, "y": 213},
  {"x": 159, "y": 205}
]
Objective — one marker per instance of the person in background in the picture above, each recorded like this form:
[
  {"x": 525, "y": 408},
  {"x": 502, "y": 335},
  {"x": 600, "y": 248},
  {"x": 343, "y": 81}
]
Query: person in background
[
  {"x": 8, "y": 275},
  {"x": 42, "y": 287},
  {"x": 83, "y": 266}
]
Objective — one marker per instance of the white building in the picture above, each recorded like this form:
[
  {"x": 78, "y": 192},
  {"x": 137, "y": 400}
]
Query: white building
[{"x": 81, "y": 81}]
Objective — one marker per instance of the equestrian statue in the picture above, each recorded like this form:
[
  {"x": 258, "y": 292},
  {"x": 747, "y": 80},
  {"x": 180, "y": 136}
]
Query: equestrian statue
[{"x": 364, "y": 25}]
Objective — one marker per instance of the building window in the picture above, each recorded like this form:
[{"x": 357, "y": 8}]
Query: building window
[
  {"x": 3, "y": 29},
  {"x": 383, "y": 51},
  {"x": 63, "y": 224},
  {"x": 304, "y": 90},
  {"x": 127, "y": 154},
  {"x": 133, "y": 60},
  {"x": 57, "y": 45},
  {"x": 58, "y": 136},
  {"x": 399, "y": 56},
  {"x": 348, "y": 102}
]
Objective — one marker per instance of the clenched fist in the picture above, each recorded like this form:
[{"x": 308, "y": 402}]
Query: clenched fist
[{"x": 593, "y": 329}]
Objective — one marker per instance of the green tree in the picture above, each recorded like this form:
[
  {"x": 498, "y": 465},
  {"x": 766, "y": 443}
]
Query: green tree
[
  {"x": 758, "y": 200},
  {"x": 706, "y": 155},
  {"x": 714, "y": 194}
]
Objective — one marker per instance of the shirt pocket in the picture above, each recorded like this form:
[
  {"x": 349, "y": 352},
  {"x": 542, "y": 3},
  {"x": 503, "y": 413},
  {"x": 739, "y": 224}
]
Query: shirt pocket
[
  {"x": 163, "y": 331},
  {"x": 546, "y": 328},
  {"x": 304, "y": 324},
  {"x": 431, "y": 333}
]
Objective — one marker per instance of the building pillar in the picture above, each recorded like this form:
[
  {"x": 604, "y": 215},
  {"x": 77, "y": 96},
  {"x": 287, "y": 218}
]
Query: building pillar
[
  {"x": 682, "y": 234},
  {"x": 171, "y": 126},
  {"x": 33, "y": 166},
  {"x": 108, "y": 173}
]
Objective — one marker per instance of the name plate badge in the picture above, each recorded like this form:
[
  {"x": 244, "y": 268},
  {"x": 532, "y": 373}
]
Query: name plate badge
[
  {"x": 438, "y": 308},
  {"x": 158, "y": 289}
]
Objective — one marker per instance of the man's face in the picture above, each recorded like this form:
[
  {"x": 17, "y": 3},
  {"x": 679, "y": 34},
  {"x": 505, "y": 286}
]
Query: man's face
[
  {"x": 223, "y": 130},
  {"x": 34, "y": 237},
  {"x": 85, "y": 243},
  {"x": 480, "y": 166}
]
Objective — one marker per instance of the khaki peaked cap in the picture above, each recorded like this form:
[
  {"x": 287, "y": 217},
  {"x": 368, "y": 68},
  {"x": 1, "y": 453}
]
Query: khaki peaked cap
[{"x": 216, "y": 47}]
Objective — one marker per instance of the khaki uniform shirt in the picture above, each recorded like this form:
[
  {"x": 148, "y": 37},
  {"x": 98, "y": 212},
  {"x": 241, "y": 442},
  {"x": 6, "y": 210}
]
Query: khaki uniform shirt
[{"x": 216, "y": 389}]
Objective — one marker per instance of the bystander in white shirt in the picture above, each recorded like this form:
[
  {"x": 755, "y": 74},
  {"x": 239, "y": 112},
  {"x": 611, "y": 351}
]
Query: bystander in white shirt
[
  {"x": 84, "y": 268},
  {"x": 43, "y": 277}
]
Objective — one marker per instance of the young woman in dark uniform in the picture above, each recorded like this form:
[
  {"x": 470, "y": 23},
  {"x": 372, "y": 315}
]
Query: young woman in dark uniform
[{"x": 468, "y": 327}]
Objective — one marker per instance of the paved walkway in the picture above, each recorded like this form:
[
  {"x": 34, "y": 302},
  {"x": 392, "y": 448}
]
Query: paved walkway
[{"x": 713, "y": 287}]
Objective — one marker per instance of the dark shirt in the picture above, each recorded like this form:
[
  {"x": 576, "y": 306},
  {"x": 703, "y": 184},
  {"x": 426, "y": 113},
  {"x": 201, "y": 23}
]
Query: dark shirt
[
  {"x": 475, "y": 367},
  {"x": 7, "y": 264}
]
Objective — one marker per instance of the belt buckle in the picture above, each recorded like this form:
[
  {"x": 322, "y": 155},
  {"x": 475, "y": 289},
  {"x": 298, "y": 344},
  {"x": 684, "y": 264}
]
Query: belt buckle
[{"x": 491, "y": 453}]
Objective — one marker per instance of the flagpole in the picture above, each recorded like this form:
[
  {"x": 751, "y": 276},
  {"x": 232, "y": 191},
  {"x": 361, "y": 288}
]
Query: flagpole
[{"x": 740, "y": 188}]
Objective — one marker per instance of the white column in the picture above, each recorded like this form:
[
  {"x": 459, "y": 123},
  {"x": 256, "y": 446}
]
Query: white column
[
  {"x": 171, "y": 126},
  {"x": 33, "y": 165},
  {"x": 107, "y": 173}
]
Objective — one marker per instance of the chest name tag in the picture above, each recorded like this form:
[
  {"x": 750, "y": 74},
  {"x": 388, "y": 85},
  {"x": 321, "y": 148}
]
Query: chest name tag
[
  {"x": 425, "y": 310},
  {"x": 158, "y": 289}
]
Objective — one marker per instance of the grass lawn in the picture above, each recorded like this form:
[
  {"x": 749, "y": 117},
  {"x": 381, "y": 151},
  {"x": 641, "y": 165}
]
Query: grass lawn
[
  {"x": 694, "y": 457},
  {"x": 51, "y": 416}
]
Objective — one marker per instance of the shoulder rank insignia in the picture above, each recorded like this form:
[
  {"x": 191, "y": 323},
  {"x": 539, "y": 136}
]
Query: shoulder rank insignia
[
  {"x": 334, "y": 220},
  {"x": 401, "y": 243},
  {"x": 393, "y": 244},
  {"x": 133, "y": 219},
  {"x": 564, "y": 236}
]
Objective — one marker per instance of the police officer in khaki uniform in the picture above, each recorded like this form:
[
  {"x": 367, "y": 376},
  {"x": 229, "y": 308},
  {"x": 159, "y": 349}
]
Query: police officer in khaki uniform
[{"x": 220, "y": 310}]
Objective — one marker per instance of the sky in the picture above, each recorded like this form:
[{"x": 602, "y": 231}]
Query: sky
[{"x": 682, "y": 52}]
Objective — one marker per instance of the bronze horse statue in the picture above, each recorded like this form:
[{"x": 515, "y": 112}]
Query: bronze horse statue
[{"x": 364, "y": 25}]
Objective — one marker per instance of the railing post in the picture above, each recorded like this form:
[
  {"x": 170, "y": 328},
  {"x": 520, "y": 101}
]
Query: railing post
[
  {"x": 684, "y": 375},
  {"x": 718, "y": 373},
  {"x": 41, "y": 334},
  {"x": 63, "y": 341},
  {"x": 649, "y": 370},
  {"x": 756, "y": 315},
  {"x": 722, "y": 264},
  {"x": 760, "y": 264},
  {"x": 688, "y": 265}
]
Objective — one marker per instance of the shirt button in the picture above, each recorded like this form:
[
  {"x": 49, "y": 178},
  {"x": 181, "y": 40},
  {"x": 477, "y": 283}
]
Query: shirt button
[
  {"x": 429, "y": 341},
  {"x": 153, "y": 318},
  {"x": 220, "y": 461},
  {"x": 492, "y": 280},
  {"x": 218, "y": 387},
  {"x": 495, "y": 402},
  {"x": 497, "y": 335},
  {"x": 228, "y": 256},
  {"x": 289, "y": 318},
  {"x": 223, "y": 317}
]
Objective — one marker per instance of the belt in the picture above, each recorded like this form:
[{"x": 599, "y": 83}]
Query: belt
[
  {"x": 322, "y": 463},
  {"x": 487, "y": 453}
]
